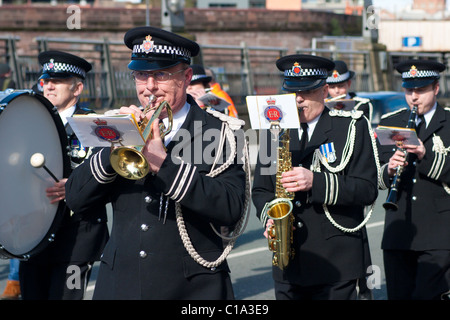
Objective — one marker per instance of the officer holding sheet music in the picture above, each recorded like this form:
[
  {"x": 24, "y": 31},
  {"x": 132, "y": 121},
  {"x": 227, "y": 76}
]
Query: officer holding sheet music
[
  {"x": 416, "y": 239},
  {"x": 165, "y": 243},
  {"x": 339, "y": 82}
]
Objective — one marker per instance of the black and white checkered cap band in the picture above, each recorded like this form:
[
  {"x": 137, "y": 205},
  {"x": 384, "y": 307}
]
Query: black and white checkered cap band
[
  {"x": 340, "y": 78},
  {"x": 198, "y": 77},
  {"x": 420, "y": 74},
  {"x": 306, "y": 73},
  {"x": 63, "y": 67},
  {"x": 162, "y": 49}
]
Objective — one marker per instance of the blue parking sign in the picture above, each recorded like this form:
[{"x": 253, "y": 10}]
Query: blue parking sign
[{"x": 412, "y": 41}]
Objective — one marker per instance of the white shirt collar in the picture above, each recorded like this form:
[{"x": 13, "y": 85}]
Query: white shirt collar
[
  {"x": 311, "y": 127},
  {"x": 178, "y": 120},
  {"x": 427, "y": 116},
  {"x": 66, "y": 114}
]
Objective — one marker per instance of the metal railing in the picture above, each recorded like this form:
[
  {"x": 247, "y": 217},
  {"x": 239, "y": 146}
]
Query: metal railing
[{"x": 242, "y": 70}]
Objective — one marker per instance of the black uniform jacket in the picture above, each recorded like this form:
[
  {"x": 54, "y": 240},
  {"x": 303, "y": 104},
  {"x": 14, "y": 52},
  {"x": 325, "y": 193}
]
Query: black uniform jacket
[
  {"x": 145, "y": 257},
  {"x": 422, "y": 221},
  {"x": 82, "y": 234},
  {"x": 363, "y": 104},
  {"x": 323, "y": 253}
]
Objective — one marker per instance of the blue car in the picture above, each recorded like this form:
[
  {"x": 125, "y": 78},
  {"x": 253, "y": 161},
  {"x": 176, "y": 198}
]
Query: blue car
[{"x": 384, "y": 102}]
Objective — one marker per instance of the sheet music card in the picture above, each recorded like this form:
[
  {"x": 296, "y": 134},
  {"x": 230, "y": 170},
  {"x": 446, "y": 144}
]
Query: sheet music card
[
  {"x": 97, "y": 130},
  {"x": 263, "y": 110},
  {"x": 214, "y": 101},
  {"x": 396, "y": 136},
  {"x": 342, "y": 104}
]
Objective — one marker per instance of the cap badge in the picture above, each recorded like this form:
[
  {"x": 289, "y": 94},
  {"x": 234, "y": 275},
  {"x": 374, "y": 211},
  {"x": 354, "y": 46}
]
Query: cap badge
[
  {"x": 147, "y": 44},
  {"x": 413, "y": 71},
  {"x": 51, "y": 64},
  {"x": 335, "y": 74},
  {"x": 296, "y": 68},
  {"x": 272, "y": 112}
]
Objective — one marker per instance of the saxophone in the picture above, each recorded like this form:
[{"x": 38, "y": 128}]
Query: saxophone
[{"x": 280, "y": 209}]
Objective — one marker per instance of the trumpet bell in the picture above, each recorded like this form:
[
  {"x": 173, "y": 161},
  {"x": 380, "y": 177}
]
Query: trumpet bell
[{"x": 129, "y": 163}]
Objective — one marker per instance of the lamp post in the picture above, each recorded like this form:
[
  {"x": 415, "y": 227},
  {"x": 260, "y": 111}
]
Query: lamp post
[{"x": 172, "y": 15}]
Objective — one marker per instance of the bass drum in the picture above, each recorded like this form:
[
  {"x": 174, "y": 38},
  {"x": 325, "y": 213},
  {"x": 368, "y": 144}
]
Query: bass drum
[{"x": 29, "y": 124}]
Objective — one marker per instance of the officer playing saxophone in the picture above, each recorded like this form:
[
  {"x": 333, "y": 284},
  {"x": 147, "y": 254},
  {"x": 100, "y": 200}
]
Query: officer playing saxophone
[{"x": 334, "y": 176}]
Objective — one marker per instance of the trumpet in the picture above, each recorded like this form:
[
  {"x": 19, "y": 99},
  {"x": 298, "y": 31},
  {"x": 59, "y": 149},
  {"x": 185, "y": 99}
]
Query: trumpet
[
  {"x": 129, "y": 162},
  {"x": 391, "y": 201}
]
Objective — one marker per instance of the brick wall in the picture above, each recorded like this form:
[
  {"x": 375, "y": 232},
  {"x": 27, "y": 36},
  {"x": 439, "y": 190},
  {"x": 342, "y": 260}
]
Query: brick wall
[{"x": 257, "y": 27}]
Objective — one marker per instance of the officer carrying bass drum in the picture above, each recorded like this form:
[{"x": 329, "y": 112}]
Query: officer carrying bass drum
[{"x": 82, "y": 235}]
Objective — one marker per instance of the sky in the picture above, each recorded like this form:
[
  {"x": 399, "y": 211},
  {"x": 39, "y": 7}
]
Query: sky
[{"x": 396, "y": 5}]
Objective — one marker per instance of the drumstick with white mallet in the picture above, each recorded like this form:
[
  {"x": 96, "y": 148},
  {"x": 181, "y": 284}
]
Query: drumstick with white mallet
[{"x": 37, "y": 160}]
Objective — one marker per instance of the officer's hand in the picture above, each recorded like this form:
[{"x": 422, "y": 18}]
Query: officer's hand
[
  {"x": 418, "y": 150},
  {"x": 57, "y": 192},
  {"x": 297, "y": 179},
  {"x": 268, "y": 225},
  {"x": 397, "y": 159},
  {"x": 154, "y": 150}
]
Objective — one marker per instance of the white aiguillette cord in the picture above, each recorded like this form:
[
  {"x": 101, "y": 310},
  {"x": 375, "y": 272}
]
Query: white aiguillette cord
[{"x": 241, "y": 224}]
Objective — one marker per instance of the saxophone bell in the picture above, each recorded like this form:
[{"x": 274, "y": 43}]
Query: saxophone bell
[{"x": 280, "y": 234}]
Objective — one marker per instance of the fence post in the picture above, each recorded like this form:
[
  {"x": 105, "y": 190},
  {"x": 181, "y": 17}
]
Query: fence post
[
  {"x": 110, "y": 79},
  {"x": 376, "y": 81},
  {"x": 246, "y": 70},
  {"x": 11, "y": 59}
]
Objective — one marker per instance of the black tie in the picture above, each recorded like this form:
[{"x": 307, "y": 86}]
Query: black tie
[
  {"x": 420, "y": 129},
  {"x": 304, "y": 138}
]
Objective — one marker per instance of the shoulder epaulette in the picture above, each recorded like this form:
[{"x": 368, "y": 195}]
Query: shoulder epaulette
[
  {"x": 387, "y": 115},
  {"x": 447, "y": 108},
  {"x": 234, "y": 123},
  {"x": 355, "y": 114},
  {"x": 83, "y": 110}
]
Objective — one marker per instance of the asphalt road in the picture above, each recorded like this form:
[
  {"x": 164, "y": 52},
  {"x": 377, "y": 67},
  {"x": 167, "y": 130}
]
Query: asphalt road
[{"x": 250, "y": 261}]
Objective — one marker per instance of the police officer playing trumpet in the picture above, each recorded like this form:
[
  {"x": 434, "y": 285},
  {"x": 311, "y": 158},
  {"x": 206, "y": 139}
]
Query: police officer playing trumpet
[
  {"x": 416, "y": 239},
  {"x": 163, "y": 242}
]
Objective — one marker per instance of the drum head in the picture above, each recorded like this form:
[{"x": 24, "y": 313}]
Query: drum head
[{"x": 29, "y": 124}]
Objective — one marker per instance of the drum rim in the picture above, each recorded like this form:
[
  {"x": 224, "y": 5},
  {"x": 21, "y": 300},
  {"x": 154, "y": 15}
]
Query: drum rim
[{"x": 50, "y": 235}]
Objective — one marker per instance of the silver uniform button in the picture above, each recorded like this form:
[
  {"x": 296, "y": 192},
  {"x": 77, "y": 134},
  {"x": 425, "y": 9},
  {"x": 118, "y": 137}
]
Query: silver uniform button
[
  {"x": 148, "y": 199},
  {"x": 414, "y": 198},
  {"x": 144, "y": 227},
  {"x": 298, "y": 203},
  {"x": 143, "y": 254},
  {"x": 299, "y": 224}
]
